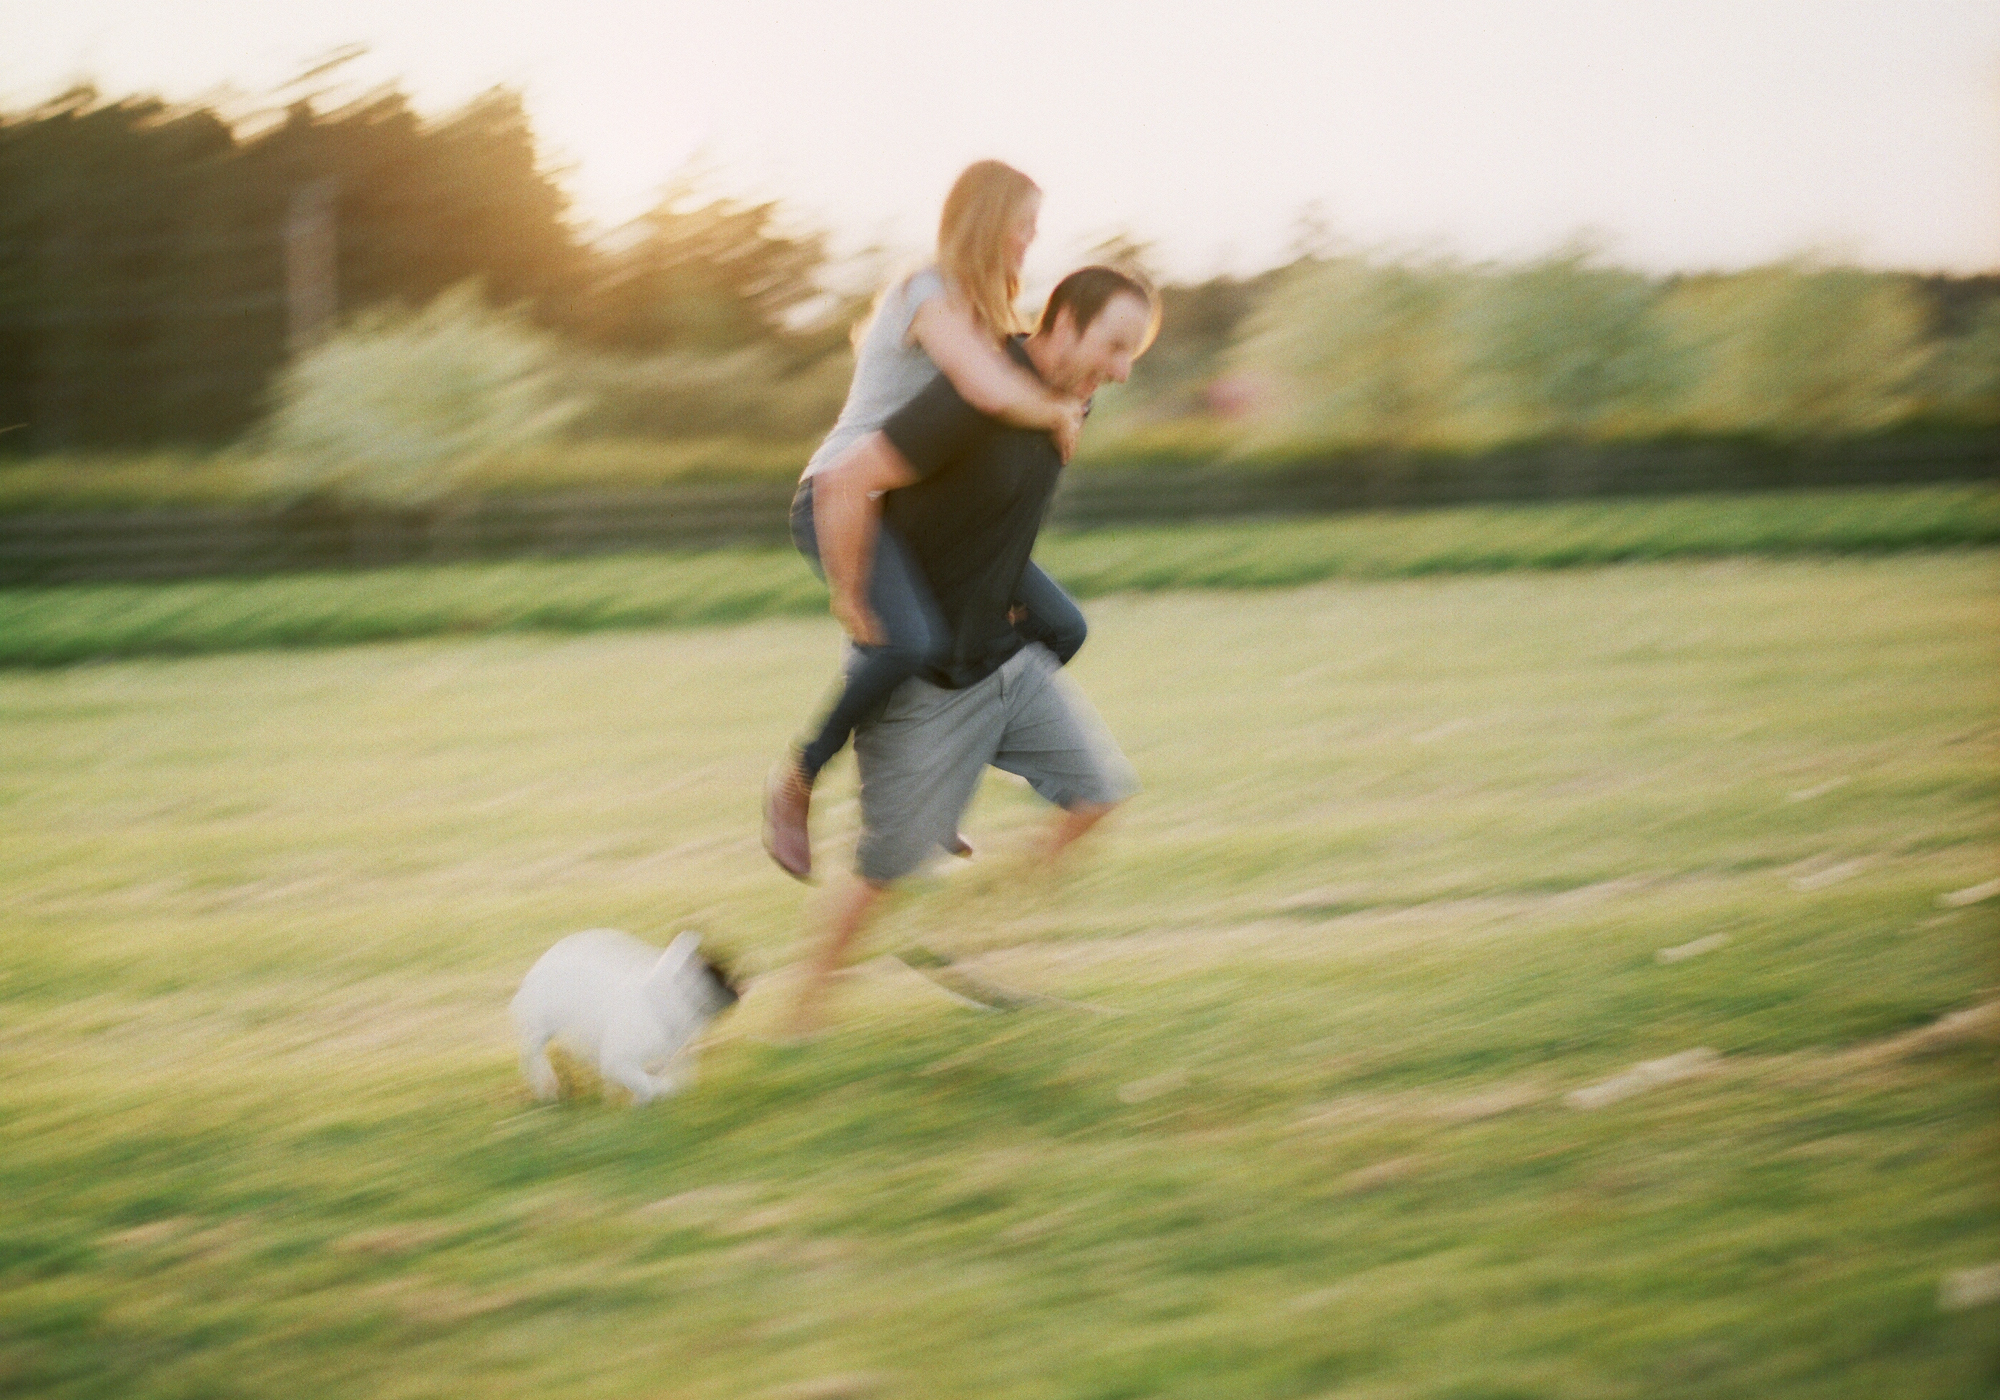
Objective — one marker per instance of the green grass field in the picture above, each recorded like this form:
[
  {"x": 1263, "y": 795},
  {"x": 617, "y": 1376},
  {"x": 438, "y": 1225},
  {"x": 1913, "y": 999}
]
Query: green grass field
[{"x": 1407, "y": 856}]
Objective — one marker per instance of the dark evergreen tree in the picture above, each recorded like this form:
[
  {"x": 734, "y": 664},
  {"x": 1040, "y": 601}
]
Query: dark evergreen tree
[
  {"x": 140, "y": 279},
  {"x": 142, "y": 250}
]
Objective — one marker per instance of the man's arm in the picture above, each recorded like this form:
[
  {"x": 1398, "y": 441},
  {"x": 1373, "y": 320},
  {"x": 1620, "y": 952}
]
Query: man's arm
[
  {"x": 987, "y": 378},
  {"x": 925, "y": 435},
  {"x": 847, "y": 507}
]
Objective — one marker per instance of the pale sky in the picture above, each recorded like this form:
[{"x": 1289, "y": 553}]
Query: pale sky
[{"x": 1679, "y": 133}]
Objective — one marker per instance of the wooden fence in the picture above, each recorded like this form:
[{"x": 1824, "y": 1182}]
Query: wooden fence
[{"x": 56, "y": 547}]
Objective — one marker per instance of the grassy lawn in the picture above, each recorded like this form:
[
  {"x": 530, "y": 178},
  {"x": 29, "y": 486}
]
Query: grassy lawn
[
  {"x": 59, "y": 625},
  {"x": 1408, "y": 854}
]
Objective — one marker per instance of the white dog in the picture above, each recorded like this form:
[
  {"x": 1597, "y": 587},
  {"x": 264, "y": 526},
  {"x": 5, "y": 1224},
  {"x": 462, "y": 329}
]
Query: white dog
[{"x": 622, "y": 1004}]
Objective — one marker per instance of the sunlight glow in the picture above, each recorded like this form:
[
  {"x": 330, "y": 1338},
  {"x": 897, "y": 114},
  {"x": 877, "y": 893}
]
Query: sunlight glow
[{"x": 1684, "y": 134}]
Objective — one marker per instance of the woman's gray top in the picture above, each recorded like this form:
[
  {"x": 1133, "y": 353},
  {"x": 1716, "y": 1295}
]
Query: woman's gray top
[{"x": 889, "y": 367}]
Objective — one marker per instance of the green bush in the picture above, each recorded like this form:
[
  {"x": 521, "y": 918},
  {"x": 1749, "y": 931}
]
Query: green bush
[
  {"x": 1350, "y": 352},
  {"x": 1965, "y": 373},
  {"x": 1360, "y": 353},
  {"x": 403, "y": 407},
  {"x": 1795, "y": 351},
  {"x": 1565, "y": 347}
]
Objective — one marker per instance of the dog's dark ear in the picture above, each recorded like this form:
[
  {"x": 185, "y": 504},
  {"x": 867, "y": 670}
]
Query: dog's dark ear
[{"x": 725, "y": 980}]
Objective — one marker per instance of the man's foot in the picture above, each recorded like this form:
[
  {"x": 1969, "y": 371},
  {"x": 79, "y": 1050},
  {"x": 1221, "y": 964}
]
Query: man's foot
[
  {"x": 787, "y": 805},
  {"x": 958, "y": 846},
  {"x": 950, "y": 978}
]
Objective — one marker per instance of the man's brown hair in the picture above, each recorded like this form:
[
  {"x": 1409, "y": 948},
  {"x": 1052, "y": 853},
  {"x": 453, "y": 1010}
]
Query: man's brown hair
[{"x": 1089, "y": 289}]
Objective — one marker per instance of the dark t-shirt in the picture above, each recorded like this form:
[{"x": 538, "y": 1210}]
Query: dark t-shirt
[{"x": 972, "y": 518}]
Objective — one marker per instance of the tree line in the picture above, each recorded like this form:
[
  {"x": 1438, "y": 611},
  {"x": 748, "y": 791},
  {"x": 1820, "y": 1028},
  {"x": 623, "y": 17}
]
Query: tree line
[
  {"x": 1357, "y": 352},
  {"x": 157, "y": 287},
  {"x": 144, "y": 293}
]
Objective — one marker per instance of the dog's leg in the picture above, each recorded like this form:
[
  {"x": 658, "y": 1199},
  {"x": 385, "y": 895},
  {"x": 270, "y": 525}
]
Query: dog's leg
[
  {"x": 541, "y": 1075},
  {"x": 643, "y": 1087}
]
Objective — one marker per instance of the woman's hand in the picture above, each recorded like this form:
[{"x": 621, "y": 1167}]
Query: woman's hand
[
  {"x": 858, "y": 620},
  {"x": 1068, "y": 426}
]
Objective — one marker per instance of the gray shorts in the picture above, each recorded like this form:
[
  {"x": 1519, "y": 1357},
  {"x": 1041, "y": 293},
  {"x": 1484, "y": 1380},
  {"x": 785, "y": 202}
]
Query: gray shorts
[{"x": 922, "y": 760}]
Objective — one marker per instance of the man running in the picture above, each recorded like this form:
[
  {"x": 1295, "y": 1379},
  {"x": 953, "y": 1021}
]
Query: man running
[{"x": 968, "y": 495}]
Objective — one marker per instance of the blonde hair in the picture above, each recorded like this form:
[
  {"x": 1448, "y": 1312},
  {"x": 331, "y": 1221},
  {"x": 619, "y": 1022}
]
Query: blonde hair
[{"x": 972, "y": 242}]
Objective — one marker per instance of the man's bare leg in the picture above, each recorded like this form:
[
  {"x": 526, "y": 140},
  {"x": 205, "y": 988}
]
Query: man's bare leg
[
  {"x": 851, "y": 906},
  {"x": 1030, "y": 869},
  {"x": 1071, "y": 824},
  {"x": 846, "y": 915}
]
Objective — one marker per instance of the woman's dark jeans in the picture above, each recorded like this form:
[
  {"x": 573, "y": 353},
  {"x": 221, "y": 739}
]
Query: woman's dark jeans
[
  {"x": 918, "y": 636},
  {"x": 1053, "y": 618}
]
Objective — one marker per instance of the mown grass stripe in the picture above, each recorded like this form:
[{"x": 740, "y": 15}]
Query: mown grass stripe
[{"x": 46, "y": 626}]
